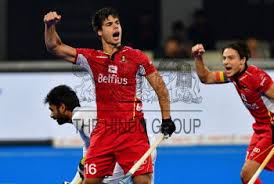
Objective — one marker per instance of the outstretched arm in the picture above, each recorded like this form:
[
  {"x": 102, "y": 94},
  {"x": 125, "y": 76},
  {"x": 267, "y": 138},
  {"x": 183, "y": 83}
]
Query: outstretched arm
[
  {"x": 203, "y": 72},
  {"x": 52, "y": 40}
]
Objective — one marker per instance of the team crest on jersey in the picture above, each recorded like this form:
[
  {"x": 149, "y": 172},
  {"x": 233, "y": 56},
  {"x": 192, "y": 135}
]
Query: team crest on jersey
[
  {"x": 112, "y": 69},
  {"x": 123, "y": 59}
]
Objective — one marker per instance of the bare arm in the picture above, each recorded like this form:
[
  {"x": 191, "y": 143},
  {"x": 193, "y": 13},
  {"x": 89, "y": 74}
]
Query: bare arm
[
  {"x": 270, "y": 92},
  {"x": 203, "y": 72},
  {"x": 52, "y": 40},
  {"x": 157, "y": 83}
]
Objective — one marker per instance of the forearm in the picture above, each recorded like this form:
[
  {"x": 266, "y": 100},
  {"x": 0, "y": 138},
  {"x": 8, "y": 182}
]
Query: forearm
[
  {"x": 164, "y": 104},
  {"x": 163, "y": 98},
  {"x": 52, "y": 40},
  {"x": 157, "y": 83},
  {"x": 201, "y": 69}
]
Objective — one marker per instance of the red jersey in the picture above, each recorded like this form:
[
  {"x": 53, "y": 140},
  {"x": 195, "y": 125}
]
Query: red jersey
[
  {"x": 115, "y": 81},
  {"x": 251, "y": 86}
]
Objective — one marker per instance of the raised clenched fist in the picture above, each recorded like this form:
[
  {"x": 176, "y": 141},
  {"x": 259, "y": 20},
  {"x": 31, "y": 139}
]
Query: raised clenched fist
[
  {"x": 198, "y": 50},
  {"x": 51, "y": 18}
]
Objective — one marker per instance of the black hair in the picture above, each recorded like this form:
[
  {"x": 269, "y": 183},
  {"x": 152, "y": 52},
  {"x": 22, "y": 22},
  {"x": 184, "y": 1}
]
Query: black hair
[
  {"x": 63, "y": 95},
  {"x": 178, "y": 26},
  {"x": 240, "y": 47},
  {"x": 101, "y": 15}
]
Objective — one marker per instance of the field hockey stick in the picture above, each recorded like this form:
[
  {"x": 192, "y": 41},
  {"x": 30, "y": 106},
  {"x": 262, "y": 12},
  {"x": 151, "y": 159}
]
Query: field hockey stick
[{"x": 127, "y": 178}]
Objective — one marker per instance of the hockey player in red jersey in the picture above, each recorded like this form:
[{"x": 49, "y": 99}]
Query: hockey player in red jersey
[
  {"x": 120, "y": 134},
  {"x": 256, "y": 89}
]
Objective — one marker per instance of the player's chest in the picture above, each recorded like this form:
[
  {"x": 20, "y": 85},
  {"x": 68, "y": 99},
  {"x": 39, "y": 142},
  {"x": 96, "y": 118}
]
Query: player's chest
[
  {"x": 246, "y": 92},
  {"x": 120, "y": 65}
]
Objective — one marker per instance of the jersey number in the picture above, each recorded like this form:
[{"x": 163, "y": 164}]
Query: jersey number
[{"x": 90, "y": 169}]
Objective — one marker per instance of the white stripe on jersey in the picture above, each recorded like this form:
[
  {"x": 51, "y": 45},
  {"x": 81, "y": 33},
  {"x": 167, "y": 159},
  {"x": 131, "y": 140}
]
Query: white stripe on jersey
[{"x": 269, "y": 103}]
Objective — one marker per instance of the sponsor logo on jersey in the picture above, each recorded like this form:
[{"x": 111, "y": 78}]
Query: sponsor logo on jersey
[
  {"x": 111, "y": 79},
  {"x": 256, "y": 150},
  {"x": 252, "y": 106},
  {"x": 112, "y": 69},
  {"x": 243, "y": 97}
]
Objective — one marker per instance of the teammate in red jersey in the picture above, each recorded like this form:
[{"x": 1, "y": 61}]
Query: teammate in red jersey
[
  {"x": 256, "y": 89},
  {"x": 119, "y": 134}
]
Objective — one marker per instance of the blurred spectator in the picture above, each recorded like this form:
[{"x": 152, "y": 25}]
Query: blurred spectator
[
  {"x": 271, "y": 49},
  {"x": 179, "y": 32},
  {"x": 200, "y": 30},
  {"x": 172, "y": 49},
  {"x": 255, "y": 48}
]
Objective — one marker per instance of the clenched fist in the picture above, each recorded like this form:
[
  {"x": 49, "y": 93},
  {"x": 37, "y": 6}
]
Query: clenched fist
[
  {"x": 198, "y": 50},
  {"x": 52, "y": 18}
]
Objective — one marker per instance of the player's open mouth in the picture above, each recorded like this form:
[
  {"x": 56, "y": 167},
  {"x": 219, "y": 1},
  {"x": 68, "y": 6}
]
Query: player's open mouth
[
  {"x": 228, "y": 68},
  {"x": 116, "y": 34}
]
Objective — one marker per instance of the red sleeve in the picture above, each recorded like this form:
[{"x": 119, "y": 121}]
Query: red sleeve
[
  {"x": 263, "y": 81},
  {"x": 146, "y": 63}
]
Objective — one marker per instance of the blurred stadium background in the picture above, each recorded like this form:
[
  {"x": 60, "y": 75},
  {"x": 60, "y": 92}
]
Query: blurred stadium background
[{"x": 213, "y": 126}]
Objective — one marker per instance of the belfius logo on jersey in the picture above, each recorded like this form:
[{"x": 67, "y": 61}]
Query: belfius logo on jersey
[{"x": 111, "y": 79}]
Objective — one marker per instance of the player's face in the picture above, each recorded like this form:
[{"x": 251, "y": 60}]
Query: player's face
[
  {"x": 111, "y": 31},
  {"x": 232, "y": 62},
  {"x": 58, "y": 114}
]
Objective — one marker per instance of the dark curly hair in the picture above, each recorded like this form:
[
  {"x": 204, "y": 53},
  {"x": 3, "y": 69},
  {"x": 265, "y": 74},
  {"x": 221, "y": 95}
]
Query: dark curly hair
[
  {"x": 240, "y": 47},
  {"x": 101, "y": 15},
  {"x": 62, "y": 95}
]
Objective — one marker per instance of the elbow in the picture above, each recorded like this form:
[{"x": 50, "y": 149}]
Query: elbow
[
  {"x": 203, "y": 79},
  {"x": 53, "y": 49}
]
